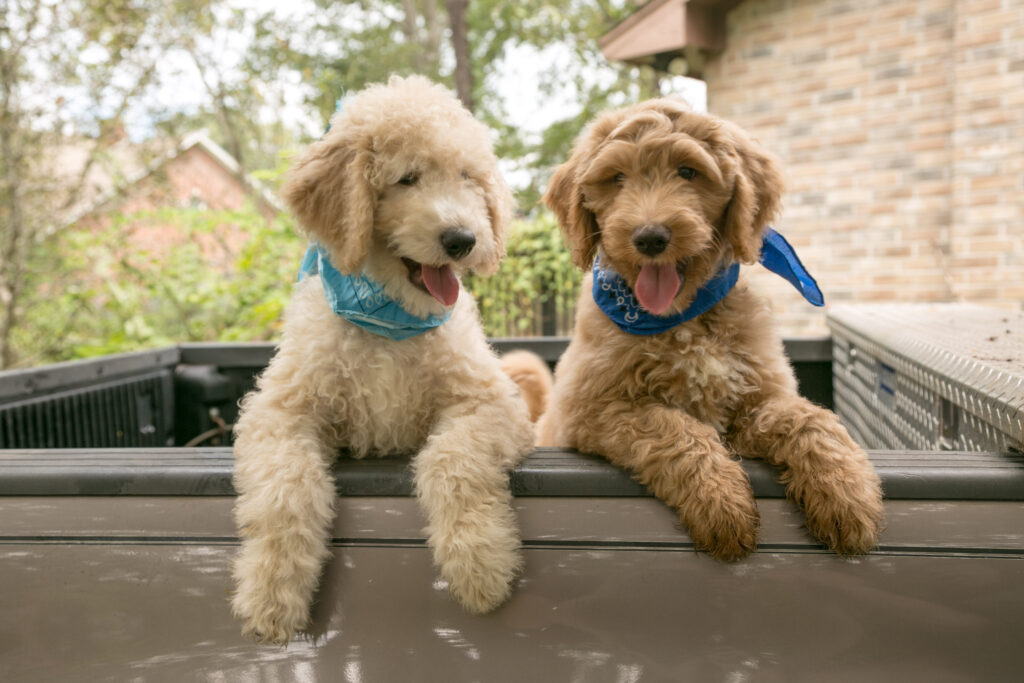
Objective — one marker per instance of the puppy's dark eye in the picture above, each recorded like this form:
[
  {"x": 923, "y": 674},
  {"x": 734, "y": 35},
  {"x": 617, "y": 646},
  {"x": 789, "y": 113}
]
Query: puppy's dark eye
[
  {"x": 687, "y": 173},
  {"x": 465, "y": 175},
  {"x": 619, "y": 178},
  {"x": 409, "y": 179}
]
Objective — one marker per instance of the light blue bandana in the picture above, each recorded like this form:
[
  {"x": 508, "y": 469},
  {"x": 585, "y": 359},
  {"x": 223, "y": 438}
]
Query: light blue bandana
[
  {"x": 614, "y": 297},
  {"x": 362, "y": 301}
]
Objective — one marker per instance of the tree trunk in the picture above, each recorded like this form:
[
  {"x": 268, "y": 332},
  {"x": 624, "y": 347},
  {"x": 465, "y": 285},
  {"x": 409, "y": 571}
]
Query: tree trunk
[
  {"x": 427, "y": 38},
  {"x": 411, "y": 31},
  {"x": 11, "y": 234},
  {"x": 435, "y": 31},
  {"x": 460, "y": 43}
]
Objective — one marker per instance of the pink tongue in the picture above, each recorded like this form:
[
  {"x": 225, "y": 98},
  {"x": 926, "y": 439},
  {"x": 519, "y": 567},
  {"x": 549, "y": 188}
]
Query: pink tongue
[
  {"x": 441, "y": 283},
  {"x": 656, "y": 286}
]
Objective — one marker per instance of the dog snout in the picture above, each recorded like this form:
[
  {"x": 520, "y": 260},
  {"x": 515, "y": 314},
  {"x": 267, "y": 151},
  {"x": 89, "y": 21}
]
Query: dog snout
[
  {"x": 457, "y": 242},
  {"x": 651, "y": 240}
]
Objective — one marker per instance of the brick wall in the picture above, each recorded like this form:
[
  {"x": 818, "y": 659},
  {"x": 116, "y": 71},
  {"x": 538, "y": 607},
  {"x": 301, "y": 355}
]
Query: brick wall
[{"x": 900, "y": 126}]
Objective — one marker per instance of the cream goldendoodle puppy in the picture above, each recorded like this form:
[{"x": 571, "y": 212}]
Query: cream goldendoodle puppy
[
  {"x": 383, "y": 353},
  {"x": 673, "y": 366}
]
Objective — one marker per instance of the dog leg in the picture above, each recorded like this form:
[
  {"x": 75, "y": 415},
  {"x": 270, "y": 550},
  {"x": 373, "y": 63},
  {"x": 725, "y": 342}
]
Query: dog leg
[
  {"x": 683, "y": 462},
  {"x": 284, "y": 514},
  {"x": 462, "y": 483},
  {"x": 825, "y": 472}
]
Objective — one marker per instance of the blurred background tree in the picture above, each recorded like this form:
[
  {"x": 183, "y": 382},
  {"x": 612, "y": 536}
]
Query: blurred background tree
[
  {"x": 199, "y": 287},
  {"x": 83, "y": 79},
  {"x": 102, "y": 54},
  {"x": 344, "y": 46}
]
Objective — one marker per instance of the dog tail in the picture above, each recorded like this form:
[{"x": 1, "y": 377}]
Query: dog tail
[{"x": 531, "y": 373}]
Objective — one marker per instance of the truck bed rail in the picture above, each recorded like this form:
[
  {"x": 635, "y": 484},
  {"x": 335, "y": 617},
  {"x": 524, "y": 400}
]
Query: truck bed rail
[{"x": 906, "y": 475}]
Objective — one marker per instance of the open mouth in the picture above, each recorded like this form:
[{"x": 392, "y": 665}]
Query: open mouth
[
  {"x": 658, "y": 284},
  {"x": 437, "y": 281}
]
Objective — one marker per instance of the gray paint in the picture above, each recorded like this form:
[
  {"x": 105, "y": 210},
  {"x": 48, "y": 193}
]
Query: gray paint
[
  {"x": 135, "y": 588},
  {"x": 548, "y": 472}
]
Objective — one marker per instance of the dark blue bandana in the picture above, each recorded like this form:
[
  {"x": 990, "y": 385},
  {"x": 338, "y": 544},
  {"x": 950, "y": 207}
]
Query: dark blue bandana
[
  {"x": 362, "y": 301},
  {"x": 614, "y": 297}
]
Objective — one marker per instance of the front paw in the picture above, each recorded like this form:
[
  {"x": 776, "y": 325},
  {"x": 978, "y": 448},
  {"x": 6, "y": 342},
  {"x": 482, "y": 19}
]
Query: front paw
[
  {"x": 271, "y": 610},
  {"x": 267, "y": 621},
  {"x": 727, "y": 529},
  {"x": 480, "y": 571},
  {"x": 844, "y": 509},
  {"x": 722, "y": 517}
]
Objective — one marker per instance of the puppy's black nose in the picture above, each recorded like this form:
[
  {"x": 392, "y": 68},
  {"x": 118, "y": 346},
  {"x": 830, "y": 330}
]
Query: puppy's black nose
[
  {"x": 457, "y": 242},
  {"x": 652, "y": 239}
]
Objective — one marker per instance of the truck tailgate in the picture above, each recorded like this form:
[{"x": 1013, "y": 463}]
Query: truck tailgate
[{"x": 115, "y": 574}]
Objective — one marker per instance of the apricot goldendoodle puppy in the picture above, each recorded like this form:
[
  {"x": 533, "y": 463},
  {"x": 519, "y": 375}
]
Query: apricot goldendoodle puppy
[
  {"x": 673, "y": 366},
  {"x": 383, "y": 353}
]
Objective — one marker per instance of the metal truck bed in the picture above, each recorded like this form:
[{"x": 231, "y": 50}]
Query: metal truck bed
[
  {"x": 116, "y": 566},
  {"x": 115, "y": 561}
]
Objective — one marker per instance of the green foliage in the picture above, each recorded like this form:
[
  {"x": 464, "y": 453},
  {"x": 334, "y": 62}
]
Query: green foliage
[
  {"x": 536, "y": 278},
  {"x": 227, "y": 275},
  {"x": 85, "y": 290},
  {"x": 206, "y": 276}
]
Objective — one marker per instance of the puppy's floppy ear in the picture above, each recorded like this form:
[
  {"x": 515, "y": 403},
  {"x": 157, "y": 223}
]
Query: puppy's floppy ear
[
  {"x": 330, "y": 193},
  {"x": 756, "y": 197},
  {"x": 564, "y": 196},
  {"x": 499, "y": 209}
]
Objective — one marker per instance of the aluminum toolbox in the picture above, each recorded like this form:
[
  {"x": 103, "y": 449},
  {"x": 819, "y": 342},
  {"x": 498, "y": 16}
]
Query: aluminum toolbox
[{"x": 930, "y": 376}]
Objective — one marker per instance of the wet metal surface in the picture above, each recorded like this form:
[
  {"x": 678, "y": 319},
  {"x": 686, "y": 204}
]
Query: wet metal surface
[{"x": 136, "y": 588}]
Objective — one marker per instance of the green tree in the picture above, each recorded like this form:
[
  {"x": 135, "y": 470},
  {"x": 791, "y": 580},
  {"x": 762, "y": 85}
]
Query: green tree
[
  {"x": 89, "y": 67},
  {"x": 534, "y": 291},
  {"x": 74, "y": 65},
  {"x": 240, "y": 100},
  {"x": 205, "y": 285},
  {"x": 72, "y": 74},
  {"x": 346, "y": 45}
]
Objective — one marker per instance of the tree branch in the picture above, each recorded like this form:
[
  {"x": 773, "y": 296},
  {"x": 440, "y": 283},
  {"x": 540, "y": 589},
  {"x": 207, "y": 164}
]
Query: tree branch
[
  {"x": 100, "y": 143},
  {"x": 11, "y": 251},
  {"x": 223, "y": 111}
]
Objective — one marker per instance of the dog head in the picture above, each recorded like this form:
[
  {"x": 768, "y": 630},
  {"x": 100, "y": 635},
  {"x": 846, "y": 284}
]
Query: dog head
[
  {"x": 404, "y": 187},
  {"x": 669, "y": 196}
]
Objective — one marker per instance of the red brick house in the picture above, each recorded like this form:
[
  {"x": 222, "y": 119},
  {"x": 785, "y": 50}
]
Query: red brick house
[
  {"x": 900, "y": 126},
  {"x": 193, "y": 172}
]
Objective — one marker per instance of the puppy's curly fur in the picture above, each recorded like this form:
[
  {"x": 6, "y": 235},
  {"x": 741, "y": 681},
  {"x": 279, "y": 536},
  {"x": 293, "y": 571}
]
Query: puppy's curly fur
[
  {"x": 400, "y": 164},
  {"x": 674, "y": 407},
  {"x": 532, "y": 376}
]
